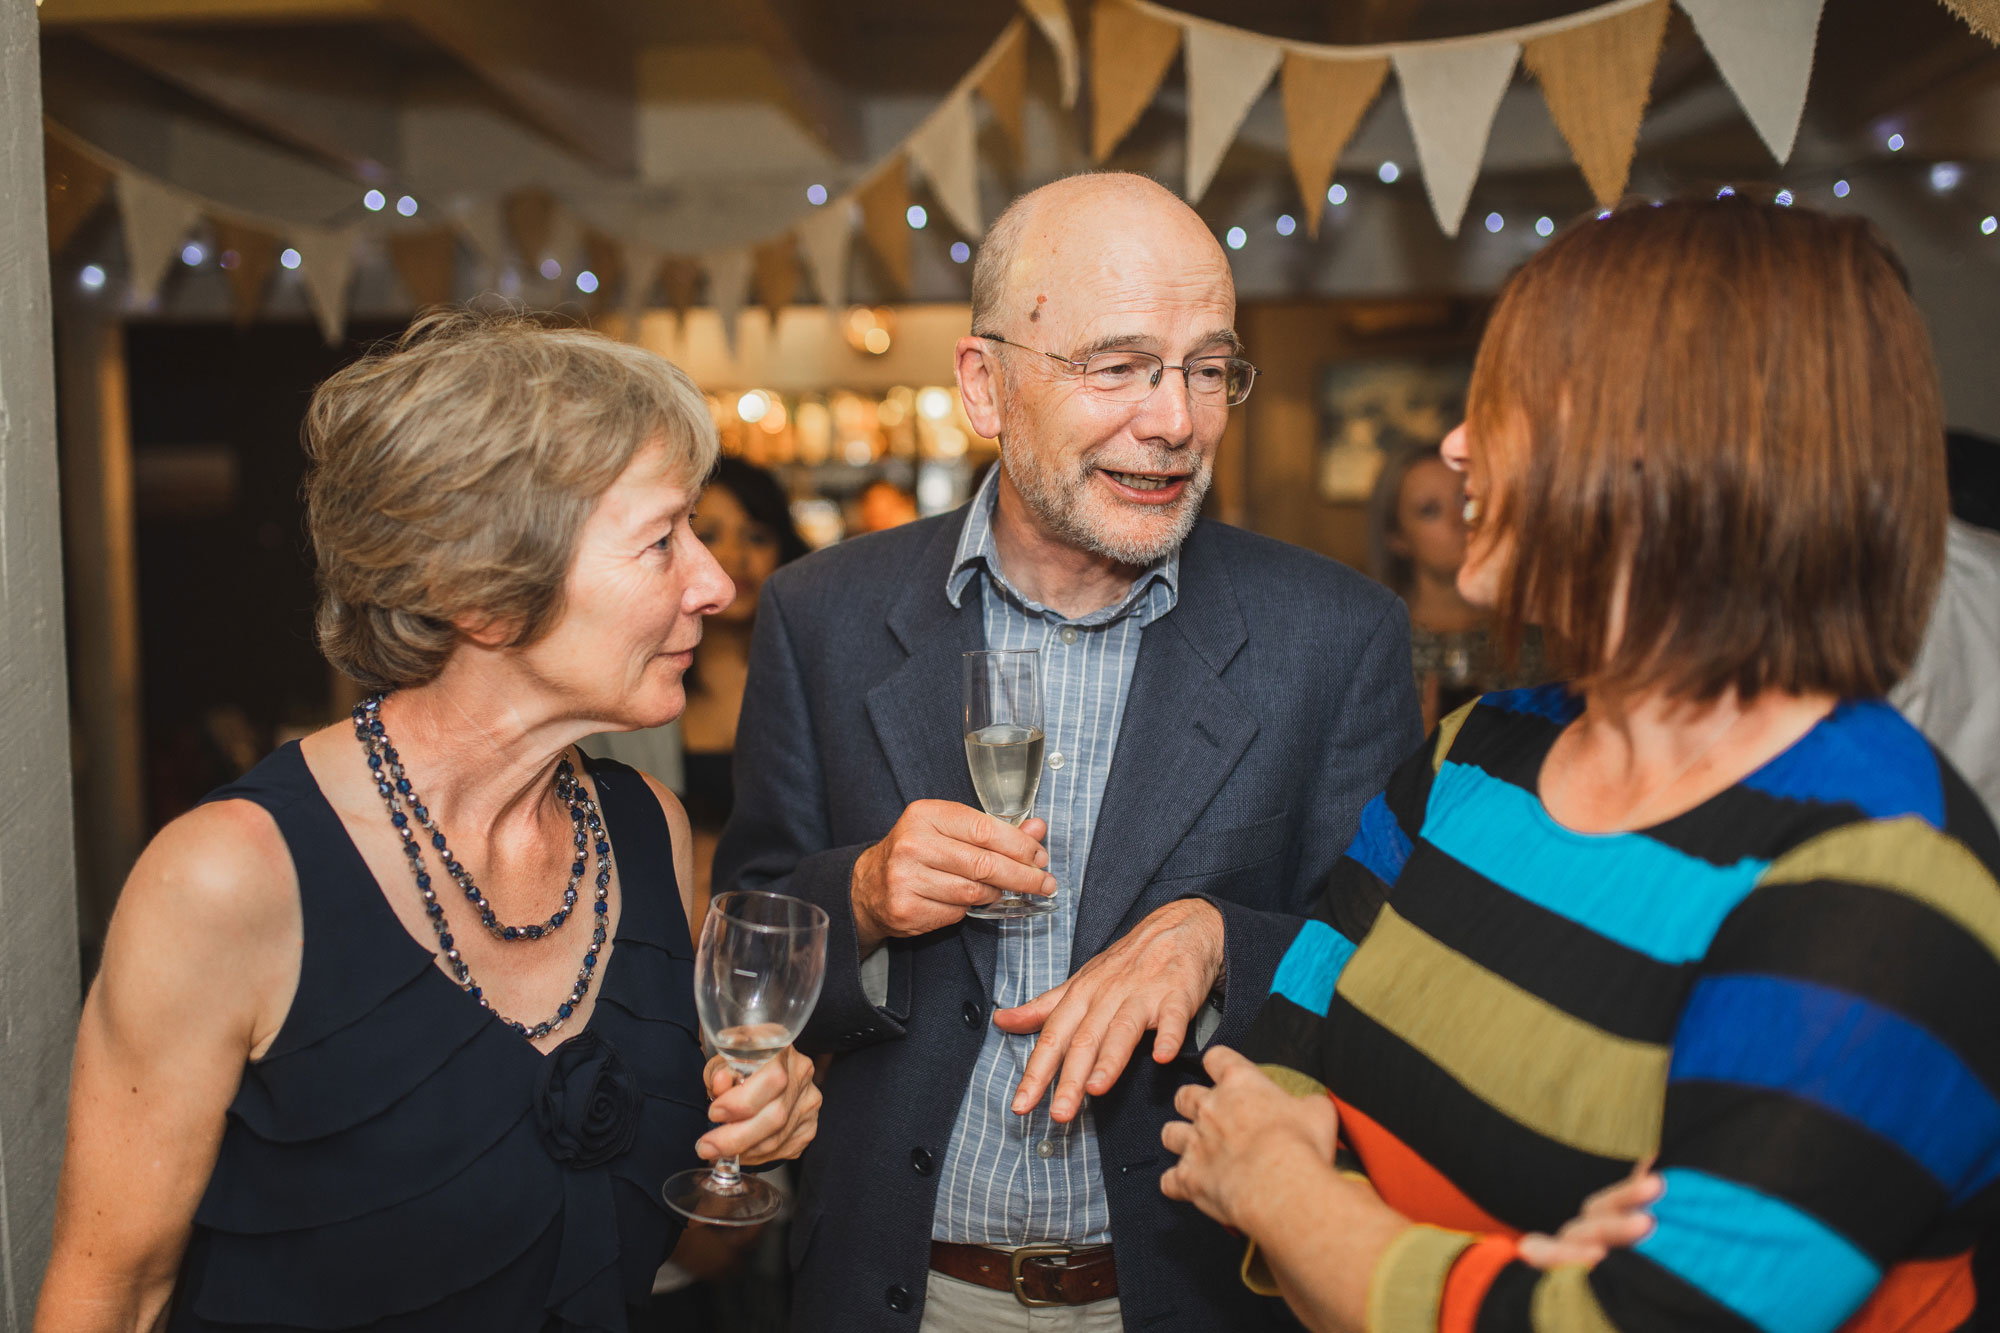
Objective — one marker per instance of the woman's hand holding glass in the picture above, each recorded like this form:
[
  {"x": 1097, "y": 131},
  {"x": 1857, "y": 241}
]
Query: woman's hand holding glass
[{"x": 769, "y": 1117}]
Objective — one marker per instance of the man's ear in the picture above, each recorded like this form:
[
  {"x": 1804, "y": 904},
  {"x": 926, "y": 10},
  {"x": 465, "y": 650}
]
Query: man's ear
[{"x": 979, "y": 384}]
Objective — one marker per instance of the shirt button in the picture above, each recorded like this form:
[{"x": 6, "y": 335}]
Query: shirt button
[
  {"x": 920, "y": 1161},
  {"x": 1045, "y": 1150},
  {"x": 1069, "y": 634},
  {"x": 898, "y": 1298},
  {"x": 971, "y": 1014},
  {"x": 1056, "y": 760}
]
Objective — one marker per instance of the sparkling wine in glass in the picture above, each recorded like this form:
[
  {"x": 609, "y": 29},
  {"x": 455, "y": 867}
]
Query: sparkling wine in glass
[
  {"x": 1003, "y": 748},
  {"x": 757, "y": 976}
]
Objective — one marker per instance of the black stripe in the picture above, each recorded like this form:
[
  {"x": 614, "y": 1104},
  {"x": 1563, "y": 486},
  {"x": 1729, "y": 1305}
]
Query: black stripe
[
  {"x": 1350, "y": 898},
  {"x": 1510, "y": 746},
  {"x": 1854, "y": 1180},
  {"x": 1743, "y": 822},
  {"x": 1876, "y": 943},
  {"x": 1510, "y": 1301},
  {"x": 1967, "y": 819},
  {"x": 1639, "y": 1296},
  {"x": 1409, "y": 789},
  {"x": 1285, "y": 1034},
  {"x": 1516, "y": 1175},
  {"x": 1571, "y": 966}
]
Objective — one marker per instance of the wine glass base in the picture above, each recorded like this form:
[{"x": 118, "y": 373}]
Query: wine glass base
[
  {"x": 748, "y": 1203},
  {"x": 1013, "y": 907}
]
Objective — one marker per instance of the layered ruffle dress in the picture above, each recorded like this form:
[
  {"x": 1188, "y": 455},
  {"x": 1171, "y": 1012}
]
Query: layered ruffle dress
[{"x": 401, "y": 1160}]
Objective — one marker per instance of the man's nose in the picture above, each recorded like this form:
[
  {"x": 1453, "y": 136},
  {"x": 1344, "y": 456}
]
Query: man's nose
[{"x": 1168, "y": 412}]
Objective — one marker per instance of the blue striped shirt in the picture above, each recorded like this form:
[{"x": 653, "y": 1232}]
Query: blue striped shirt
[{"x": 1016, "y": 1180}]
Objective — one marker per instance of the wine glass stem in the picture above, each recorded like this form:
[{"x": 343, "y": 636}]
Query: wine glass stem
[{"x": 726, "y": 1174}]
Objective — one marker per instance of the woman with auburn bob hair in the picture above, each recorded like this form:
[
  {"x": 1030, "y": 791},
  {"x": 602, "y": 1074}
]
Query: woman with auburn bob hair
[
  {"x": 398, "y": 1030},
  {"x": 1713, "y": 906}
]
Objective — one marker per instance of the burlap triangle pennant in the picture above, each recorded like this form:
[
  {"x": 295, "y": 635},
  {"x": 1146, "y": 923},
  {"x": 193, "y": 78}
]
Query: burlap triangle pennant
[
  {"x": 885, "y": 207},
  {"x": 728, "y": 288},
  {"x": 826, "y": 236},
  {"x": 1451, "y": 94},
  {"x": 1129, "y": 54},
  {"x": 484, "y": 227},
  {"x": 156, "y": 219},
  {"x": 1597, "y": 78},
  {"x": 1004, "y": 84},
  {"x": 1765, "y": 53},
  {"x": 946, "y": 149},
  {"x": 249, "y": 257},
  {"x": 531, "y": 220},
  {"x": 605, "y": 258},
  {"x": 76, "y": 186},
  {"x": 1982, "y": 16},
  {"x": 641, "y": 266},
  {"x": 326, "y": 263},
  {"x": 427, "y": 263},
  {"x": 680, "y": 281},
  {"x": 777, "y": 265},
  {"x": 1226, "y": 71},
  {"x": 1324, "y": 102},
  {"x": 1052, "y": 17}
]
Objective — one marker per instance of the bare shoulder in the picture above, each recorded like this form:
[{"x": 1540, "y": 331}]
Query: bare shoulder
[
  {"x": 224, "y": 866},
  {"x": 671, "y": 807}
]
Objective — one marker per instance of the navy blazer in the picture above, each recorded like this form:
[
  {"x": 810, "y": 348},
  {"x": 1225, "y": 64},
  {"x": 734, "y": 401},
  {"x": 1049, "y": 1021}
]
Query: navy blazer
[{"x": 1265, "y": 710}]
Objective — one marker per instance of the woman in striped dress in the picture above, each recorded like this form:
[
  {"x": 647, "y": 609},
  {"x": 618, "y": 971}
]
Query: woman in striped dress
[{"x": 1712, "y": 906}]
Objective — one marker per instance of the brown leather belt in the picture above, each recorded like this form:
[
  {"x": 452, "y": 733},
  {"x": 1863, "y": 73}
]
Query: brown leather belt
[{"x": 1038, "y": 1275}]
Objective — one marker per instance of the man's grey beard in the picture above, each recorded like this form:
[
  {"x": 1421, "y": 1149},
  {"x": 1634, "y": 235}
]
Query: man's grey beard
[{"x": 1058, "y": 504}]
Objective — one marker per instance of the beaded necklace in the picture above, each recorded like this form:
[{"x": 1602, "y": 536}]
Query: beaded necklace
[{"x": 385, "y": 769}]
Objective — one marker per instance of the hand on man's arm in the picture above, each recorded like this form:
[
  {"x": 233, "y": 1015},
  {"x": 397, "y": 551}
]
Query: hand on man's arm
[{"x": 940, "y": 859}]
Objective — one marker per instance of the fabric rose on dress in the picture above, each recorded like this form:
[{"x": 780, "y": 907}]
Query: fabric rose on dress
[{"x": 587, "y": 1103}]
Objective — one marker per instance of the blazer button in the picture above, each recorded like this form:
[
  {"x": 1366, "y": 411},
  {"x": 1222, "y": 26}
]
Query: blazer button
[
  {"x": 898, "y": 1297},
  {"x": 921, "y": 1161},
  {"x": 971, "y": 1013}
]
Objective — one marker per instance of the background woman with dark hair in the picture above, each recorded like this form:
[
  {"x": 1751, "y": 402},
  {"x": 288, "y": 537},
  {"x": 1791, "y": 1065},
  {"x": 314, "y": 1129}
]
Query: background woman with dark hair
[{"x": 1416, "y": 542}]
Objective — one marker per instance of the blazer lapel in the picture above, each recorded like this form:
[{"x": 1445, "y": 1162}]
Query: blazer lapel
[
  {"x": 918, "y": 709},
  {"x": 1182, "y": 735}
]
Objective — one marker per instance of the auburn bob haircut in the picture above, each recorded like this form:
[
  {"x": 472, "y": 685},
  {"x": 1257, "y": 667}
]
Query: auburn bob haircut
[{"x": 1710, "y": 442}]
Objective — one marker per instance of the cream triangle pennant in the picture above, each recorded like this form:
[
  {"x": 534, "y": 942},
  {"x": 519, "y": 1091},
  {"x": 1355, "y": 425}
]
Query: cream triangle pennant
[
  {"x": 1227, "y": 70},
  {"x": 1324, "y": 102},
  {"x": 825, "y": 236},
  {"x": 1450, "y": 94},
  {"x": 728, "y": 288},
  {"x": 946, "y": 149},
  {"x": 484, "y": 227},
  {"x": 326, "y": 263},
  {"x": 642, "y": 279},
  {"x": 156, "y": 219},
  {"x": 1765, "y": 53}
]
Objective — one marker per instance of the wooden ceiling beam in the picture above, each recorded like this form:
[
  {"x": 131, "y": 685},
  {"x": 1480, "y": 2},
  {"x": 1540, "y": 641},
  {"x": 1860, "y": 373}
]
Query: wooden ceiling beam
[{"x": 827, "y": 111}]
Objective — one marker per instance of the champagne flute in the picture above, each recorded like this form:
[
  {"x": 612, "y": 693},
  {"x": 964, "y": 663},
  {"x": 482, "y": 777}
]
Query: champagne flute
[
  {"x": 1003, "y": 748},
  {"x": 757, "y": 976}
]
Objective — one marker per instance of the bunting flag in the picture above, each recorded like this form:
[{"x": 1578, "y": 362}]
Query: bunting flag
[
  {"x": 76, "y": 186},
  {"x": 427, "y": 262},
  {"x": 249, "y": 256},
  {"x": 680, "y": 280},
  {"x": 1052, "y": 17},
  {"x": 1004, "y": 83},
  {"x": 1324, "y": 102},
  {"x": 1765, "y": 53},
  {"x": 946, "y": 149},
  {"x": 728, "y": 289},
  {"x": 531, "y": 220},
  {"x": 1451, "y": 94},
  {"x": 826, "y": 237},
  {"x": 326, "y": 262},
  {"x": 1129, "y": 54},
  {"x": 641, "y": 265},
  {"x": 1597, "y": 79},
  {"x": 605, "y": 258},
  {"x": 777, "y": 267},
  {"x": 885, "y": 207},
  {"x": 1982, "y": 16},
  {"x": 156, "y": 218},
  {"x": 1227, "y": 70},
  {"x": 565, "y": 242},
  {"x": 483, "y": 224}
]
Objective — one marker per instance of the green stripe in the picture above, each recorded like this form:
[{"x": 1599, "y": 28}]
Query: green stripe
[
  {"x": 1408, "y": 1284},
  {"x": 1906, "y": 856},
  {"x": 1448, "y": 732},
  {"x": 1564, "y": 1303}
]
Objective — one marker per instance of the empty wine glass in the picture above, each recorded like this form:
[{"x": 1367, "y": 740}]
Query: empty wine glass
[
  {"x": 1003, "y": 748},
  {"x": 757, "y": 976}
]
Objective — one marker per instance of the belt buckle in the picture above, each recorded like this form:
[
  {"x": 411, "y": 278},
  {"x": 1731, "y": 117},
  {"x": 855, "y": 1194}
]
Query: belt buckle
[{"x": 1018, "y": 1257}]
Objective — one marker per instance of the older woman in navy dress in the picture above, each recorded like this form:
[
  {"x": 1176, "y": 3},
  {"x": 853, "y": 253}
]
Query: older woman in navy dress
[{"x": 397, "y": 1031}]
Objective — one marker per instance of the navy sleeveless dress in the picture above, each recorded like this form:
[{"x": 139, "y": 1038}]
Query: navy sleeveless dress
[{"x": 399, "y": 1160}]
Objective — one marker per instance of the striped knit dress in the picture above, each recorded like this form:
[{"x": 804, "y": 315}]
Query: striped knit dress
[{"x": 1790, "y": 994}]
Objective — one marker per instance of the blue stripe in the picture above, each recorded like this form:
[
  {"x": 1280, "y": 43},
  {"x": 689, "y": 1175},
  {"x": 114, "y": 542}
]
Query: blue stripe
[
  {"x": 1782, "y": 1269},
  {"x": 1849, "y": 1056},
  {"x": 1625, "y": 886},
  {"x": 1553, "y": 702},
  {"x": 1311, "y": 967},
  {"x": 1865, "y": 754},
  {"x": 1380, "y": 845}
]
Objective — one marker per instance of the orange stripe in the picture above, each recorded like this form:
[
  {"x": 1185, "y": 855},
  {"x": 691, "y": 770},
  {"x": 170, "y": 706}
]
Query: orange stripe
[
  {"x": 1409, "y": 1184},
  {"x": 1470, "y": 1279},
  {"x": 1919, "y": 1296}
]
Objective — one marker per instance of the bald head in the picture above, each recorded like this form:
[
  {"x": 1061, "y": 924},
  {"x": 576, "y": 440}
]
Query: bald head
[{"x": 1105, "y": 225}]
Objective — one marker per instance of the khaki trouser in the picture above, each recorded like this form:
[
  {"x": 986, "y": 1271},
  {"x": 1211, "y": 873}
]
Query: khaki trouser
[{"x": 952, "y": 1306}]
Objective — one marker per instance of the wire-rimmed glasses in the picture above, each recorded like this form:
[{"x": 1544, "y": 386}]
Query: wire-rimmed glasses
[{"x": 1125, "y": 375}]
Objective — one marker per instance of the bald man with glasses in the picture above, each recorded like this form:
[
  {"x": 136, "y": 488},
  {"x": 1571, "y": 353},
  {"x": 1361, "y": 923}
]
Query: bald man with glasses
[{"x": 1218, "y": 707}]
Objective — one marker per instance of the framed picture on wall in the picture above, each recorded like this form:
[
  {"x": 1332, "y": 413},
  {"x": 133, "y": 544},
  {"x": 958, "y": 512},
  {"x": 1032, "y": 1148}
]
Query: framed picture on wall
[{"x": 1371, "y": 406}]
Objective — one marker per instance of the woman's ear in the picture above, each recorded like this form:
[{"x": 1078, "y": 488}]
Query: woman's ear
[
  {"x": 1398, "y": 544},
  {"x": 488, "y": 631}
]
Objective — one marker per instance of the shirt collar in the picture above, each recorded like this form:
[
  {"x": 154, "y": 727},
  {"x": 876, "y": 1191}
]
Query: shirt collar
[{"x": 1152, "y": 594}]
